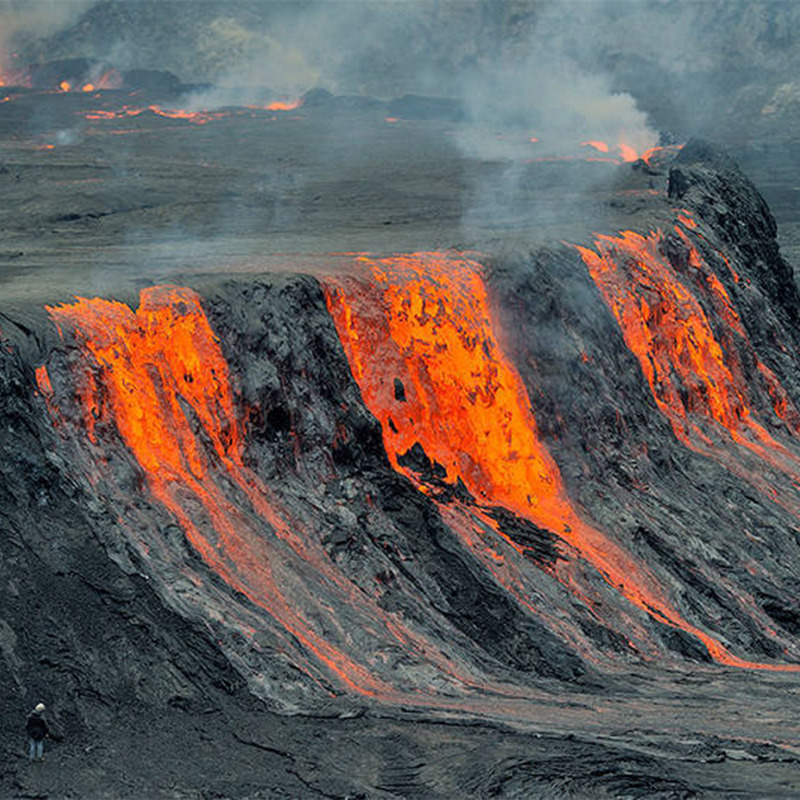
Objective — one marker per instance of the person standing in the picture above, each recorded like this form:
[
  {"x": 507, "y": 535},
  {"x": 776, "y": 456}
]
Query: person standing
[{"x": 37, "y": 731}]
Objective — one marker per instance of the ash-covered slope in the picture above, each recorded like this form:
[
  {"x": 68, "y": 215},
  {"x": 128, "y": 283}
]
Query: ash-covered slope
[{"x": 417, "y": 484}]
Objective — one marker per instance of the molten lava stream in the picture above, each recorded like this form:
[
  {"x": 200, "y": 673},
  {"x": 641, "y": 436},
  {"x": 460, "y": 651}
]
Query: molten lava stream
[
  {"x": 691, "y": 375},
  {"x": 419, "y": 338},
  {"x": 164, "y": 384}
]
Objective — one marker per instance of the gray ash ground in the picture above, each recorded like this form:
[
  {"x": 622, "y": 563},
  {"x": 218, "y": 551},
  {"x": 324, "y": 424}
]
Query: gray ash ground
[{"x": 148, "y": 697}]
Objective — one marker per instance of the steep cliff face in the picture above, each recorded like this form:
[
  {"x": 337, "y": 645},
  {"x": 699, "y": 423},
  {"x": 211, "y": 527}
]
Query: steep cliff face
[
  {"x": 667, "y": 382},
  {"x": 433, "y": 484}
]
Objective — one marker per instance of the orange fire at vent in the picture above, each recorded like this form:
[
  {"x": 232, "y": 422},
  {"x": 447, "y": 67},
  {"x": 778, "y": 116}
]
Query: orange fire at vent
[
  {"x": 65, "y": 86},
  {"x": 282, "y": 105},
  {"x": 628, "y": 153},
  {"x": 164, "y": 383},
  {"x": 420, "y": 341}
]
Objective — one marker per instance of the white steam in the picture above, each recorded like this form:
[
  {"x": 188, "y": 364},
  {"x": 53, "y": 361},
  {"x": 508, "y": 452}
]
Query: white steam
[{"x": 550, "y": 99}]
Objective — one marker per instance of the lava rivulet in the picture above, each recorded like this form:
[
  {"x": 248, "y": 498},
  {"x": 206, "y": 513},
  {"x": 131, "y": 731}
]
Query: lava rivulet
[
  {"x": 693, "y": 375},
  {"x": 158, "y": 375},
  {"x": 422, "y": 346},
  {"x": 198, "y": 117}
]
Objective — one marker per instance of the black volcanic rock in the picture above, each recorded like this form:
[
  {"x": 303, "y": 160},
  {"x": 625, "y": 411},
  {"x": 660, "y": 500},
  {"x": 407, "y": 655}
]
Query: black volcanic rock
[
  {"x": 419, "y": 107},
  {"x": 155, "y": 81},
  {"x": 73, "y": 70},
  {"x": 708, "y": 180}
]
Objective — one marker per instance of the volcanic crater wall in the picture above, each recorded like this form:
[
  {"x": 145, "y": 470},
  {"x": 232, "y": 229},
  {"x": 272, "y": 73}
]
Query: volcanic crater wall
[{"x": 319, "y": 477}]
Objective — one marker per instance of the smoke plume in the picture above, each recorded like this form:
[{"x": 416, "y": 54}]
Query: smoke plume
[{"x": 22, "y": 22}]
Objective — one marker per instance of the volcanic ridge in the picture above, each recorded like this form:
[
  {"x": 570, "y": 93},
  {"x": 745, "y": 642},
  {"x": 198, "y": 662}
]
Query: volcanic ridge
[{"x": 401, "y": 519}]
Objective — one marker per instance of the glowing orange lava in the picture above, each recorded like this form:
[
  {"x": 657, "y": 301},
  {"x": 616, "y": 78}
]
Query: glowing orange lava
[
  {"x": 598, "y": 145},
  {"x": 627, "y": 153},
  {"x": 65, "y": 86},
  {"x": 164, "y": 384},
  {"x": 202, "y": 117},
  {"x": 664, "y": 150},
  {"x": 664, "y": 324},
  {"x": 283, "y": 105},
  {"x": 421, "y": 345},
  {"x": 43, "y": 381},
  {"x": 197, "y": 117}
]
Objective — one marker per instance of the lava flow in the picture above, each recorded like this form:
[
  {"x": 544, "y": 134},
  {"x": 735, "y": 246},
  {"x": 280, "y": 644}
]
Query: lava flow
[
  {"x": 196, "y": 117},
  {"x": 158, "y": 376},
  {"x": 280, "y": 105},
  {"x": 199, "y": 117},
  {"x": 629, "y": 154},
  {"x": 693, "y": 373},
  {"x": 421, "y": 343},
  {"x": 462, "y": 401}
]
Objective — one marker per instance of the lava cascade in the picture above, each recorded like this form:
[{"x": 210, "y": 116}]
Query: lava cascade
[
  {"x": 456, "y": 382},
  {"x": 158, "y": 375},
  {"x": 695, "y": 369},
  {"x": 422, "y": 347}
]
